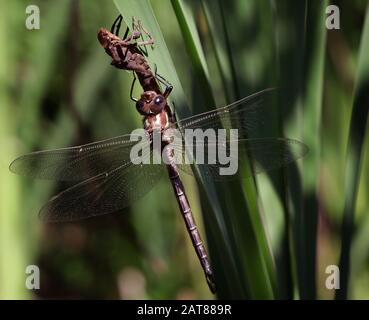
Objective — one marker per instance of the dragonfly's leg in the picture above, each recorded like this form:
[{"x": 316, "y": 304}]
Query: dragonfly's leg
[
  {"x": 132, "y": 38},
  {"x": 146, "y": 42},
  {"x": 116, "y": 25},
  {"x": 143, "y": 44},
  {"x": 135, "y": 24},
  {"x": 115, "y": 29},
  {"x": 132, "y": 86},
  {"x": 126, "y": 33},
  {"x": 150, "y": 41},
  {"x": 138, "y": 31},
  {"x": 174, "y": 113},
  {"x": 144, "y": 30},
  {"x": 162, "y": 80},
  {"x": 128, "y": 40},
  {"x": 168, "y": 86}
]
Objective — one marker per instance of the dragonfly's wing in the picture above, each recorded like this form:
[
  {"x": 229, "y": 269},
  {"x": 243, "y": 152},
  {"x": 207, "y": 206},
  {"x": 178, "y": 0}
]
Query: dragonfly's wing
[
  {"x": 75, "y": 163},
  {"x": 218, "y": 162},
  {"x": 104, "y": 193},
  {"x": 249, "y": 115}
]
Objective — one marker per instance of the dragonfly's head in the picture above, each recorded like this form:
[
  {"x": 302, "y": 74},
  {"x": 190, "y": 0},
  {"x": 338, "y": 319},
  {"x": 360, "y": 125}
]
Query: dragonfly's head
[
  {"x": 151, "y": 103},
  {"x": 105, "y": 37}
]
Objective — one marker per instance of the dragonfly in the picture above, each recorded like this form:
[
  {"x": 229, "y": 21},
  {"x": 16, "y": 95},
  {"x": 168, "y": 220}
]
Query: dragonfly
[{"x": 107, "y": 178}]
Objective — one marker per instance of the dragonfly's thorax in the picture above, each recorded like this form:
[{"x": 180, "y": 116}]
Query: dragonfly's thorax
[{"x": 157, "y": 122}]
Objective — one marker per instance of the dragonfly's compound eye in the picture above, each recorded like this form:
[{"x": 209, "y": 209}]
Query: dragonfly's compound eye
[
  {"x": 158, "y": 104},
  {"x": 140, "y": 106},
  {"x": 159, "y": 100}
]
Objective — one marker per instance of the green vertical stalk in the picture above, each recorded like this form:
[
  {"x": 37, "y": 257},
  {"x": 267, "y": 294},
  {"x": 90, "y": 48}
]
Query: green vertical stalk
[
  {"x": 355, "y": 149},
  {"x": 312, "y": 100},
  {"x": 246, "y": 228}
]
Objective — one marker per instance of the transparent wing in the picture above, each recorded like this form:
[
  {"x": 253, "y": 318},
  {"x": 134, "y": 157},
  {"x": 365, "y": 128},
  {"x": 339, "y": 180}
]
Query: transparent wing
[
  {"x": 217, "y": 162},
  {"x": 249, "y": 115},
  {"x": 75, "y": 163},
  {"x": 104, "y": 193}
]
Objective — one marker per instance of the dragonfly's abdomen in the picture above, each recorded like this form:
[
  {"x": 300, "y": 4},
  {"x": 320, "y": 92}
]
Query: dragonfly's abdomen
[{"x": 189, "y": 219}]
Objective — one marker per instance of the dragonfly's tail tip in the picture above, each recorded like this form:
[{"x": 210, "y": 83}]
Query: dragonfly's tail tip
[{"x": 211, "y": 283}]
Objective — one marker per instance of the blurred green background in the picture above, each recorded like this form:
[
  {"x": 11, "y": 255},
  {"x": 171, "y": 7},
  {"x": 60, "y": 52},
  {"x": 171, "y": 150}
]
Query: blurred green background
[{"x": 271, "y": 237}]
